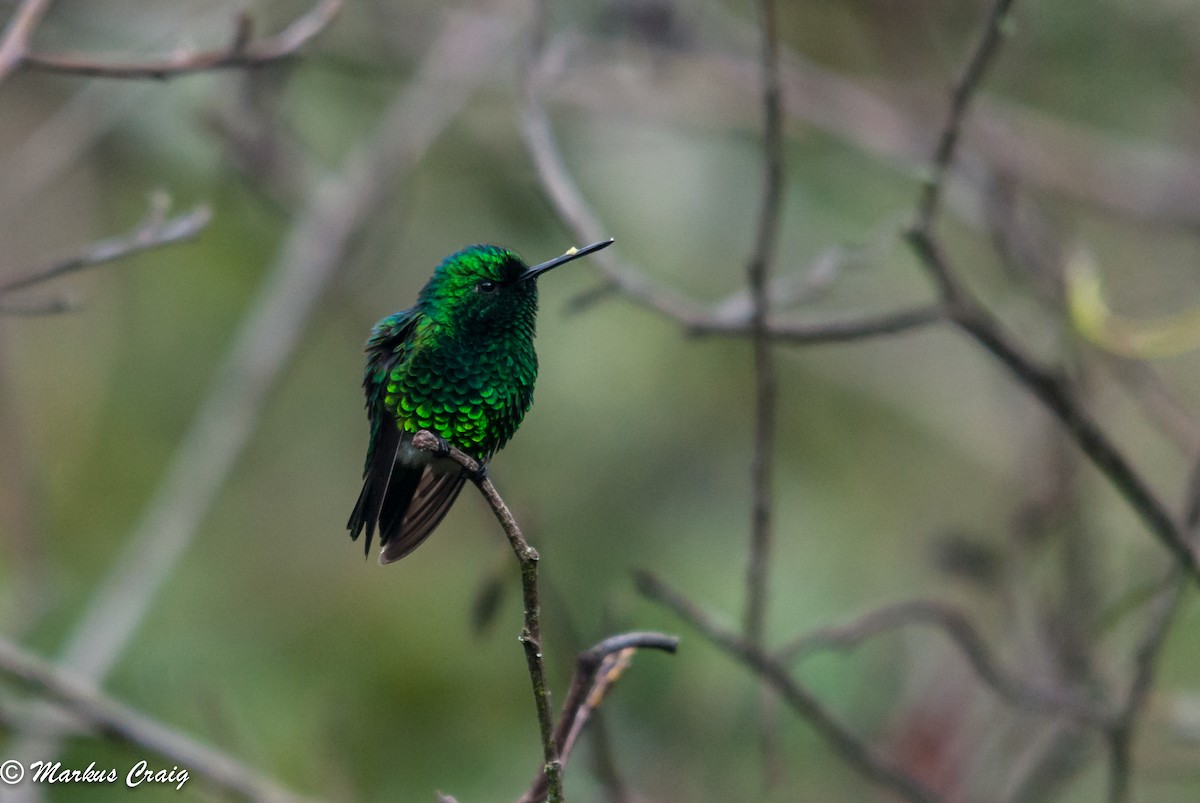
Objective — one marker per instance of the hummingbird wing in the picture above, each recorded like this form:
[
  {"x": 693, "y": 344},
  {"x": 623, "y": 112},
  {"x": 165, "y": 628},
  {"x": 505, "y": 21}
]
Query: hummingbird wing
[
  {"x": 403, "y": 527},
  {"x": 404, "y": 495},
  {"x": 390, "y": 343}
]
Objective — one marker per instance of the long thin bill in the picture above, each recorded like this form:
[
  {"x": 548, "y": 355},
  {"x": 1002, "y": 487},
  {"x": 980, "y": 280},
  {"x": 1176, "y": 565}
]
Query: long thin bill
[{"x": 574, "y": 253}]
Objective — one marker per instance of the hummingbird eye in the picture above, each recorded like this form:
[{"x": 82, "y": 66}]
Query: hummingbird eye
[{"x": 486, "y": 286}]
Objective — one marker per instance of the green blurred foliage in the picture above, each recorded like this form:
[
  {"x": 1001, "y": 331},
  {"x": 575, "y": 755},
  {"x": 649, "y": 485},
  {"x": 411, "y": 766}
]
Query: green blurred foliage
[{"x": 275, "y": 639}]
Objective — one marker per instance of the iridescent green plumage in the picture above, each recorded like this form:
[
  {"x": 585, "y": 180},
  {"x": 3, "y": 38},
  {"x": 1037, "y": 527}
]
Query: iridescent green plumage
[{"x": 459, "y": 363}]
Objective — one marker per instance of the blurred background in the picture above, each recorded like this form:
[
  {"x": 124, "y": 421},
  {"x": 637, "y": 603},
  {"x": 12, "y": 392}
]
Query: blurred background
[{"x": 908, "y": 466}]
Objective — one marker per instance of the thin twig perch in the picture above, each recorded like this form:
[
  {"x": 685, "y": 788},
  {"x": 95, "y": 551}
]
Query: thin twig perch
[
  {"x": 596, "y": 670},
  {"x": 531, "y": 634}
]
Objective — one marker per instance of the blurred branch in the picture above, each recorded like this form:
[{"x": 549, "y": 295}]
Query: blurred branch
[
  {"x": 1146, "y": 657},
  {"x": 1058, "y": 396},
  {"x": 259, "y": 147},
  {"x": 1123, "y": 727},
  {"x": 242, "y": 52},
  {"x": 878, "y": 768},
  {"x": 564, "y": 193},
  {"x": 14, "y": 47},
  {"x": 963, "y": 635},
  {"x": 53, "y": 306},
  {"x": 1165, "y": 410},
  {"x": 596, "y": 671},
  {"x": 731, "y": 317},
  {"x": 153, "y": 231},
  {"x": 847, "y": 329},
  {"x": 531, "y": 635},
  {"x": 766, "y": 394},
  {"x": 757, "y": 270},
  {"x": 84, "y": 700},
  {"x": 960, "y": 100},
  {"x": 461, "y": 56},
  {"x": 1053, "y": 390},
  {"x": 1148, "y": 181}
]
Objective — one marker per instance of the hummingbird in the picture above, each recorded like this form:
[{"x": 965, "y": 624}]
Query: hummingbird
[{"x": 459, "y": 363}]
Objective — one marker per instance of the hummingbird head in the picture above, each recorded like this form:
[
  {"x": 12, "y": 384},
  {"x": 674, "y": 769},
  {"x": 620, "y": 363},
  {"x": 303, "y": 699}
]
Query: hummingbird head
[{"x": 488, "y": 290}]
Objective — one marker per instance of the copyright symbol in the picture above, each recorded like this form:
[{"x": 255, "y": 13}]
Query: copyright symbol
[{"x": 11, "y": 772}]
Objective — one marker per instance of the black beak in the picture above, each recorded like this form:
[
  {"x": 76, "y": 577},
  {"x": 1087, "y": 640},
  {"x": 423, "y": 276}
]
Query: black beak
[{"x": 574, "y": 253}]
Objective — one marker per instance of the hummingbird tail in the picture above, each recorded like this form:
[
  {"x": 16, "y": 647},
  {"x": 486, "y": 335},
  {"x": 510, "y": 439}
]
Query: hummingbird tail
[
  {"x": 403, "y": 529},
  {"x": 404, "y": 502},
  {"x": 377, "y": 479}
]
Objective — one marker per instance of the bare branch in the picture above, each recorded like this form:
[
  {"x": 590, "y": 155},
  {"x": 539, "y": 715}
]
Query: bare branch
[
  {"x": 766, "y": 395},
  {"x": 852, "y": 327},
  {"x": 596, "y": 671},
  {"x": 731, "y": 317},
  {"x": 531, "y": 635},
  {"x": 568, "y": 199},
  {"x": 969, "y": 315},
  {"x": 1057, "y": 395},
  {"x": 1145, "y": 663},
  {"x": 1146, "y": 657},
  {"x": 757, "y": 271},
  {"x": 963, "y": 635},
  {"x": 878, "y": 768},
  {"x": 960, "y": 100},
  {"x": 1145, "y": 180},
  {"x": 15, "y": 45},
  {"x": 240, "y": 53},
  {"x": 84, "y": 700},
  {"x": 152, "y": 232}
]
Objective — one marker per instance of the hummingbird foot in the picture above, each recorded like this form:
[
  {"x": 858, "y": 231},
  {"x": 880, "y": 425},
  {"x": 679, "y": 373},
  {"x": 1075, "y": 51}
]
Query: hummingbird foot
[
  {"x": 441, "y": 447},
  {"x": 479, "y": 474}
]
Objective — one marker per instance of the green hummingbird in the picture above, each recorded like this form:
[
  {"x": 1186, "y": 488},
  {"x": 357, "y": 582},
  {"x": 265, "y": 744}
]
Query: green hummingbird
[{"x": 459, "y": 363}]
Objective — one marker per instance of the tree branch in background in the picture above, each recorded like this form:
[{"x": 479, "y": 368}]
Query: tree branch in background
[
  {"x": 878, "y": 768},
  {"x": 1146, "y": 657},
  {"x": 531, "y": 635},
  {"x": 731, "y": 317},
  {"x": 1124, "y": 724},
  {"x": 153, "y": 231},
  {"x": 960, "y": 101},
  {"x": 765, "y": 383},
  {"x": 564, "y": 192},
  {"x": 88, "y": 703},
  {"x": 1149, "y": 181},
  {"x": 14, "y": 47},
  {"x": 596, "y": 671},
  {"x": 848, "y": 329},
  {"x": 243, "y": 51},
  {"x": 971, "y": 316},
  {"x": 963, "y": 635}
]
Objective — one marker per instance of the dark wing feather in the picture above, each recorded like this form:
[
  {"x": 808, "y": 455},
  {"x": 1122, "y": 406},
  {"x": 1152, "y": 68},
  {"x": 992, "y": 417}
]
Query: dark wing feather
[
  {"x": 377, "y": 478},
  {"x": 426, "y": 508},
  {"x": 387, "y": 346}
]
